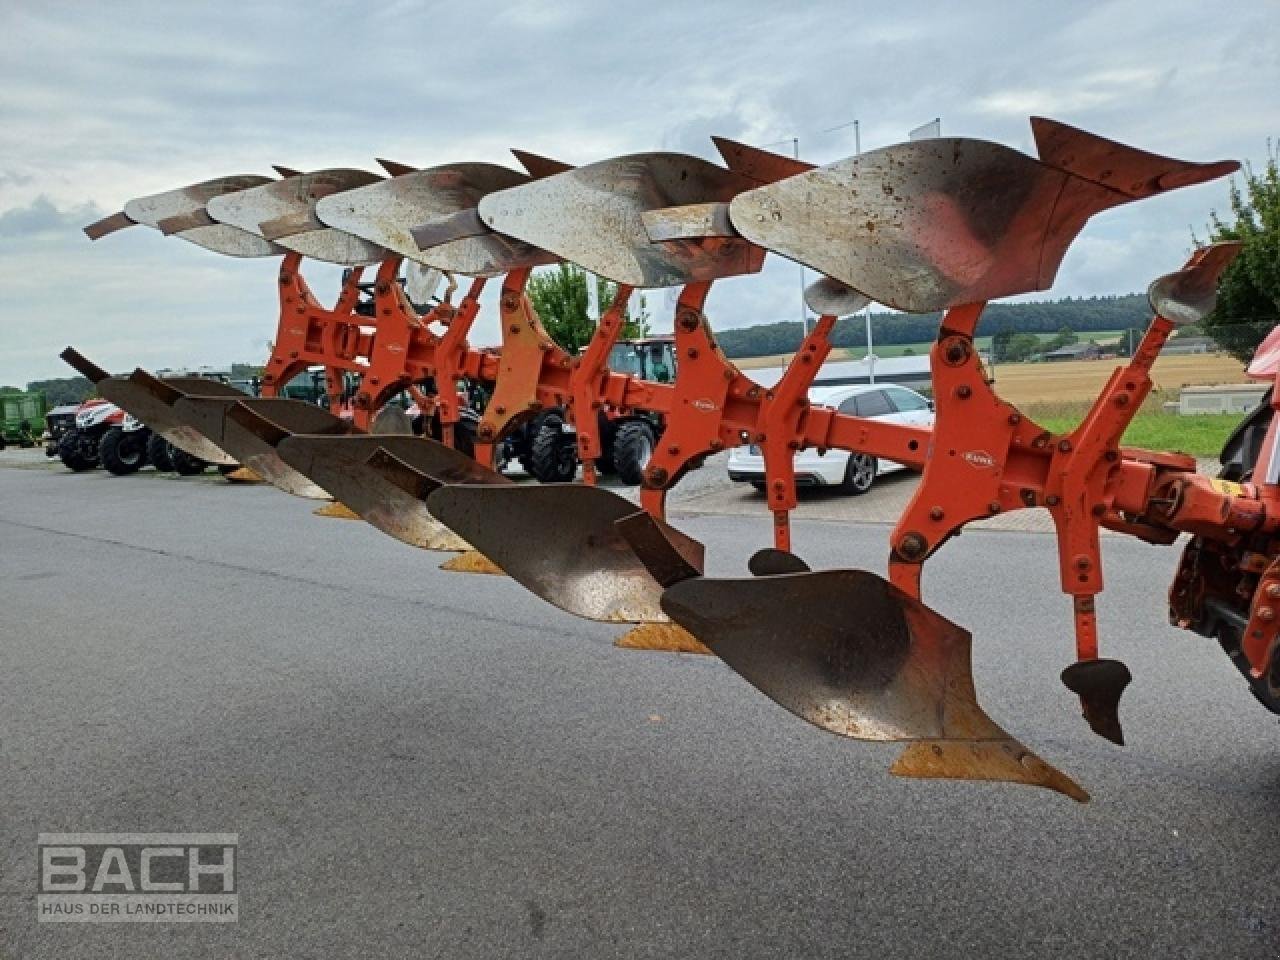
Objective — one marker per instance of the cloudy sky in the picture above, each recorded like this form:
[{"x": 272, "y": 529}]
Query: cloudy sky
[{"x": 101, "y": 102}]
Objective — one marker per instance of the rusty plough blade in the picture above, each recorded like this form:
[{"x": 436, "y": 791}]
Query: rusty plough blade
[
  {"x": 284, "y": 212},
  {"x": 182, "y": 213},
  {"x": 224, "y": 421},
  {"x": 372, "y": 475},
  {"x": 583, "y": 564},
  {"x": 385, "y": 214},
  {"x": 871, "y": 663},
  {"x": 606, "y": 234},
  {"x": 151, "y": 401},
  {"x": 944, "y": 224}
]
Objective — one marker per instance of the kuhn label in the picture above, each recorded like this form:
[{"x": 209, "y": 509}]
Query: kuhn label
[
  {"x": 980, "y": 458},
  {"x": 706, "y": 406}
]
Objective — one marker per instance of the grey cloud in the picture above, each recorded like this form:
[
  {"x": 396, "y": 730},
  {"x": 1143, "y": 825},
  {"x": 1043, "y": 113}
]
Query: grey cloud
[{"x": 42, "y": 218}]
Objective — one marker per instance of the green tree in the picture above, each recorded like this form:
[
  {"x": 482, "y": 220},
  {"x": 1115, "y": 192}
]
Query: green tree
[
  {"x": 1062, "y": 338},
  {"x": 1249, "y": 291},
  {"x": 1021, "y": 347},
  {"x": 63, "y": 390},
  {"x": 1000, "y": 346},
  {"x": 559, "y": 295}
]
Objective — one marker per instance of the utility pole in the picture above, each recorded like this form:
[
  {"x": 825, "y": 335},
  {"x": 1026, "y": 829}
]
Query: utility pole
[{"x": 804, "y": 310}]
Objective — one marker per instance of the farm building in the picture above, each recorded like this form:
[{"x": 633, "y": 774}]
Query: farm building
[
  {"x": 1182, "y": 345},
  {"x": 1074, "y": 351}
]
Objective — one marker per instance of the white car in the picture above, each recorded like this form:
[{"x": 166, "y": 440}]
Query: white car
[{"x": 852, "y": 472}]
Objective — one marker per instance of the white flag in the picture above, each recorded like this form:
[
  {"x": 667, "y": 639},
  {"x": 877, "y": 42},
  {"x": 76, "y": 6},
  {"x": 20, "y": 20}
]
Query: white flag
[{"x": 927, "y": 131}]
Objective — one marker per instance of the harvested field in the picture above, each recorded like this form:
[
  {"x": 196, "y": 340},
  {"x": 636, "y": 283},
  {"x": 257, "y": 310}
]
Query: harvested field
[{"x": 1080, "y": 380}]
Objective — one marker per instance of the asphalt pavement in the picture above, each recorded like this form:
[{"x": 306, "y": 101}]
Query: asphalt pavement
[{"x": 427, "y": 764}]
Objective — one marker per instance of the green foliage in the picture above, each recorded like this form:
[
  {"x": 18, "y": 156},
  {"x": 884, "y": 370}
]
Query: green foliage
[
  {"x": 1200, "y": 436},
  {"x": 559, "y": 295},
  {"x": 1249, "y": 292},
  {"x": 63, "y": 391},
  {"x": 1062, "y": 338},
  {"x": 1081, "y": 314},
  {"x": 1020, "y": 347}
]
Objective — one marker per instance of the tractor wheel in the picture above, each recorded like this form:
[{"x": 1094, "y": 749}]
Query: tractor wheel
[
  {"x": 554, "y": 456},
  {"x": 184, "y": 464},
  {"x": 859, "y": 473},
  {"x": 632, "y": 449},
  {"x": 158, "y": 453},
  {"x": 122, "y": 453},
  {"x": 77, "y": 451},
  {"x": 464, "y": 436}
]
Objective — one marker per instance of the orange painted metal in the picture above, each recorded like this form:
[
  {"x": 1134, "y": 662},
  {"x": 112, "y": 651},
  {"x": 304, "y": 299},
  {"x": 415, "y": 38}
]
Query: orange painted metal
[{"x": 587, "y": 381}]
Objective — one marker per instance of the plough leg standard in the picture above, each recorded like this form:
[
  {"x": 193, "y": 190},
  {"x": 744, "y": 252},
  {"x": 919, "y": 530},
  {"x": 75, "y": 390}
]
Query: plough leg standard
[{"x": 940, "y": 225}]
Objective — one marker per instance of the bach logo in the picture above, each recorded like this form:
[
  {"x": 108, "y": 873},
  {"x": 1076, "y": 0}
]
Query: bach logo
[{"x": 138, "y": 878}]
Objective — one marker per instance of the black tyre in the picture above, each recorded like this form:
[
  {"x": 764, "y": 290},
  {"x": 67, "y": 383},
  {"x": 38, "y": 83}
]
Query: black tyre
[
  {"x": 859, "y": 473},
  {"x": 632, "y": 449},
  {"x": 464, "y": 436},
  {"x": 123, "y": 452},
  {"x": 184, "y": 464},
  {"x": 158, "y": 453},
  {"x": 605, "y": 431},
  {"x": 78, "y": 451},
  {"x": 554, "y": 456}
]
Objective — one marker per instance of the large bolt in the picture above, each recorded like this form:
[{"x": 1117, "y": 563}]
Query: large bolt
[
  {"x": 963, "y": 391},
  {"x": 1064, "y": 445},
  {"x": 956, "y": 353},
  {"x": 1083, "y": 562},
  {"x": 912, "y": 546},
  {"x": 656, "y": 478},
  {"x": 936, "y": 514},
  {"x": 1051, "y": 500},
  {"x": 692, "y": 353},
  {"x": 510, "y": 302},
  {"x": 687, "y": 320},
  {"x": 993, "y": 507},
  {"x": 1015, "y": 419}
]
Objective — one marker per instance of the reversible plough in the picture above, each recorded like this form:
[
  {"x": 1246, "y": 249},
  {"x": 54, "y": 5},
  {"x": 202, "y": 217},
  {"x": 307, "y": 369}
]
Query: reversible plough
[{"x": 936, "y": 225}]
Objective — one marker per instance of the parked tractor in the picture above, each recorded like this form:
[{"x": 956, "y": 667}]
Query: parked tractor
[
  {"x": 19, "y": 413},
  {"x": 78, "y": 448},
  {"x": 627, "y": 438}
]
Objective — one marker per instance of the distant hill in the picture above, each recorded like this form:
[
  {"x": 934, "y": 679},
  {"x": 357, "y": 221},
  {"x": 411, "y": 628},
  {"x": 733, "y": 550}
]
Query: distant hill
[{"x": 1081, "y": 314}]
